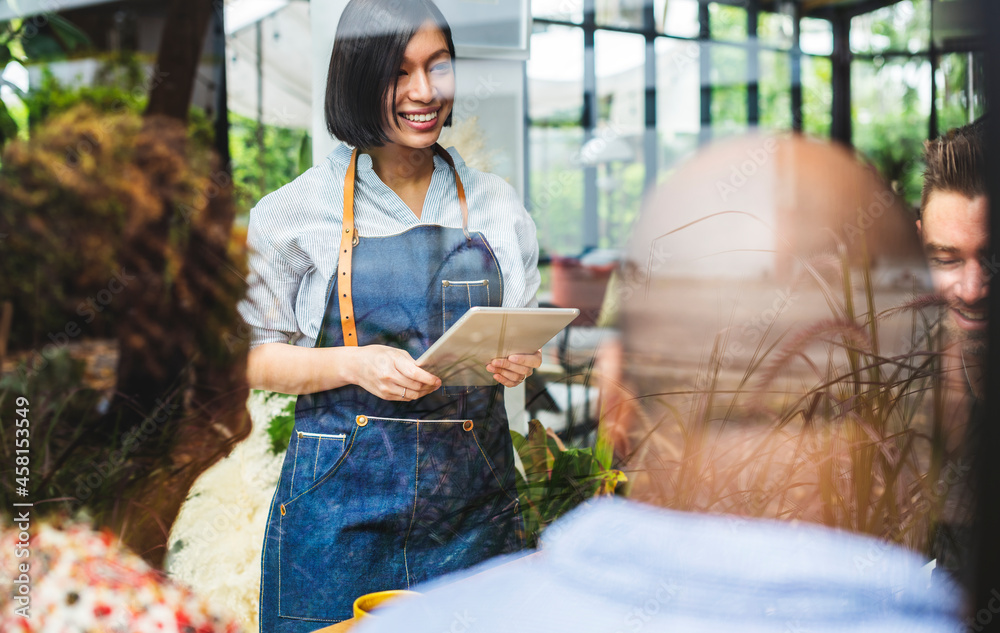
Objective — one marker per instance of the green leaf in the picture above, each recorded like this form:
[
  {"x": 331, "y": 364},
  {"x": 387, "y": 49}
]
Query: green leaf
[
  {"x": 5, "y": 55},
  {"x": 41, "y": 47},
  {"x": 71, "y": 36},
  {"x": 535, "y": 455},
  {"x": 280, "y": 428},
  {"x": 305, "y": 153},
  {"x": 518, "y": 440},
  {"x": 8, "y": 127}
]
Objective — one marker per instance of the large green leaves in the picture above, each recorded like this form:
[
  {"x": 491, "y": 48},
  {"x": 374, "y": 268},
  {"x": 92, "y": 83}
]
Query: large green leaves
[
  {"x": 8, "y": 127},
  {"x": 557, "y": 479}
]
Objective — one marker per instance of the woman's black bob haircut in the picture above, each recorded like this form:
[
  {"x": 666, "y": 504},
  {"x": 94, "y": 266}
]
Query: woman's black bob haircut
[{"x": 371, "y": 39}]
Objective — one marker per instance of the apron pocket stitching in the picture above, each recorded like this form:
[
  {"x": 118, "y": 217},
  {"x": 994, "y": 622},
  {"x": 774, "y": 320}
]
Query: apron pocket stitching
[
  {"x": 329, "y": 473},
  {"x": 295, "y": 463},
  {"x": 489, "y": 465},
  {"x": 413, "y": 514},
  {"x": 319, "y": 447}
]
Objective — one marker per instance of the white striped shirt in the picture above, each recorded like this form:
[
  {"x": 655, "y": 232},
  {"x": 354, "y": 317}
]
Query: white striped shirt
[{"x": 294, "y": 233}]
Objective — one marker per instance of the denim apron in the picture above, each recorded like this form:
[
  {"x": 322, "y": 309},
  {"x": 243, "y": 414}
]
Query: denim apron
[{"x": 376, "y": 494}]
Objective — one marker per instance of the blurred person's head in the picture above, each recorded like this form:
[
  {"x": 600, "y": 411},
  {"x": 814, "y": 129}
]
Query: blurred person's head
[
  {"x": 764, "y": 359},
  {"x": 954, "y": 228}
]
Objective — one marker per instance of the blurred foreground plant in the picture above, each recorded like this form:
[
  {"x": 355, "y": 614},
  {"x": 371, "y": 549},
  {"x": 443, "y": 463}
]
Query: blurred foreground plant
[
  {"x": 124, "y": 217},
  {"x": 556, "y": 479},
  {"x": 823, "y": 421}
]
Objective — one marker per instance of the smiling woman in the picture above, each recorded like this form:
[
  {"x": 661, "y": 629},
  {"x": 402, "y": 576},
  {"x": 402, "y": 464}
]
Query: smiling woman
[{"x": 389, "y": 478}]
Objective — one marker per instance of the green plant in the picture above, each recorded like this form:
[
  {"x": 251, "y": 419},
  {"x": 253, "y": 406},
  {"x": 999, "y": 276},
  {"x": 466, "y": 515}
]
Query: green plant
[
  {"x": 286, "y": 153},
  {"x": 280, "y": 427},
  {"x": 22, "y": 41},
  {"x": 556, "y": 479}
]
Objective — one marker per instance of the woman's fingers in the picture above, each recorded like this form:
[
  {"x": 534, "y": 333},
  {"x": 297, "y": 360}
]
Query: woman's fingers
[
  {"x": 392, "y": 374},
  {"x": 511, "y": 371}
]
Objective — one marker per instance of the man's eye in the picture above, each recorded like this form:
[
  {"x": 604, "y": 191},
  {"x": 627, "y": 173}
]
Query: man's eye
[{"x": 940, "y": 261}]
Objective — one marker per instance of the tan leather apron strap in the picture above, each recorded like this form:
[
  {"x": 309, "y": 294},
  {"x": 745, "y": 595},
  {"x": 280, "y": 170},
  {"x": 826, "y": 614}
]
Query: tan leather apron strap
[
  {"x": 348, "y": 238},
  {"x": 443, "y": 153}
]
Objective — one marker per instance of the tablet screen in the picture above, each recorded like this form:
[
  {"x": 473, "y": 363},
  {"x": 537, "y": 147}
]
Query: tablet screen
[{"x": 460, "y": 356}]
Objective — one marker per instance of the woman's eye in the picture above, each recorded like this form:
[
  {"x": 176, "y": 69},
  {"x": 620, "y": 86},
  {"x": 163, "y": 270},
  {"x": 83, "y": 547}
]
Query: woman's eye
[{"x": 442, "y": 67}]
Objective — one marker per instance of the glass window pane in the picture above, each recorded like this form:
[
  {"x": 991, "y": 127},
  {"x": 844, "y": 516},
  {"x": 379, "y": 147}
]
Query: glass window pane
[
  {"x": 555, "y": 75},
  {"x": 556, "y": 195},
  {"x": 817, "y": 96},
  {"x": 622, "y": 13},
  {"x": 621, "y": 62},
  {"x": 567, "y": 11},
  {"x": 774, "y": 29},
  {"x": 815, "y": 36},
  {"x": 727, "y": 23},
  {"x": 555, "y": 107},
  {"x": 677, "y": 17},
  {"x": 775, "y": 91},
  {"x": 904, "y": 26},
  {"x": 729, "y": 89},
  {"x": 616, "y": 150},
  {"x": 891, "y": 104},
  {"x": 960, "y": 95},
  {"x": 678, "y": 100}
]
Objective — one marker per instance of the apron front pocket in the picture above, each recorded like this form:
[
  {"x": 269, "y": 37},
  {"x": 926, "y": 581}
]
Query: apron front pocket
[
  {"x": 314, "y": 454},
  {"x": 458, "y": 296}
]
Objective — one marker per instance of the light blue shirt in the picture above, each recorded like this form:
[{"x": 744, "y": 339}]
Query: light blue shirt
[
  {"x": 294, "y": 235},
  {"x": 618, "y": 566}
]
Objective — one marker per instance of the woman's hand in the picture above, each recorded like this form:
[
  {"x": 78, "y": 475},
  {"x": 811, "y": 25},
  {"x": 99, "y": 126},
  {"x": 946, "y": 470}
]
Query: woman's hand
[
  {"x": 511, "y": 371},
  {"x": 391, "y": 374}
]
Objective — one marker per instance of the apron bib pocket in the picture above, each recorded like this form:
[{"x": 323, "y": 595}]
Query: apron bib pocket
[{"x": 458, "y": 296}]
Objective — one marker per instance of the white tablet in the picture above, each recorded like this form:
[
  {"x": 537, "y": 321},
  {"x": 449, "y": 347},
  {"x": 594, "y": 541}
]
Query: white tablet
[{"x": 460, "y": 356}]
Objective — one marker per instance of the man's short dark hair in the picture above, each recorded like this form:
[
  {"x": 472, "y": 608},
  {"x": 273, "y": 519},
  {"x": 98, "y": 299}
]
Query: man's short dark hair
[
  {"x": 955, "y": 163},
  {"x": 368, "y": 51}
]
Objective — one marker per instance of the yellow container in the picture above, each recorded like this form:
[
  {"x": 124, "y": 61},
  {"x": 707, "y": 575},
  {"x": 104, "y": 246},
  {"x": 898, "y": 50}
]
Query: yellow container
[{"x": 364, "y": 605}]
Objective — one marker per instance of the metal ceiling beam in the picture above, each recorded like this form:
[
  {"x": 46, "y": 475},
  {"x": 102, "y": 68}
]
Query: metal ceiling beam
[
  {"x": 29, "y": 8},
  {"x": 829, "y": 8}
]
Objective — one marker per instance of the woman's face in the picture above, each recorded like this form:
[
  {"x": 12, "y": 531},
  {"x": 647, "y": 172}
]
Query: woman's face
[{"x": 425, "y": 90}]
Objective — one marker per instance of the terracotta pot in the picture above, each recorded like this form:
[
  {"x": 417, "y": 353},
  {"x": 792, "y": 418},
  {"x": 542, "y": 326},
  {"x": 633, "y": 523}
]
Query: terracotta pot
[{"x": 575, "y": 285}]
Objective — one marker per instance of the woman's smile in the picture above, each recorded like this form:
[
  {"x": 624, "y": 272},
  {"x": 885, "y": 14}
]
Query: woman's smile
[{"x": 421, "y": 120}]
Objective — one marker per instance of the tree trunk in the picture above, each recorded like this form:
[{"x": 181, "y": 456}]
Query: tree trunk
[
  {"x": 177, "y": 381},
  {"x": 177, "y": 60}
]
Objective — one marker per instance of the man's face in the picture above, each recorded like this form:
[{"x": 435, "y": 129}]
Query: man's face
[{"x": 955, "y": 234}]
